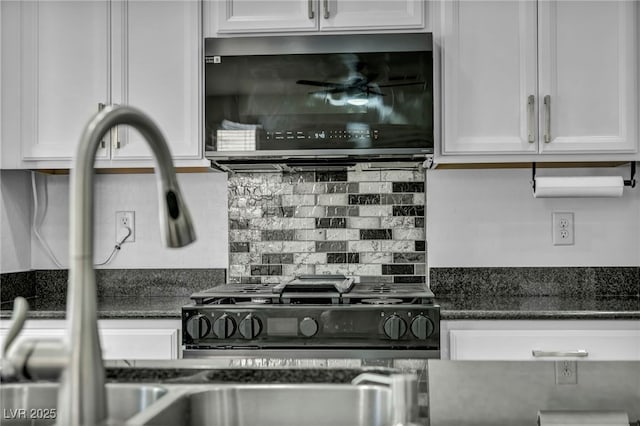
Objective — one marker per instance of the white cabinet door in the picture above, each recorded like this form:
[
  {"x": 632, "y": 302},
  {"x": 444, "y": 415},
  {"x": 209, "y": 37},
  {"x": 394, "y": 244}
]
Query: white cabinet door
[
  {"x": 488, "y": 76},
  {"x": 259, "y": 16},
  {"x": 589, "y": 75},
  {"x": 139, "y": 343},
  {"x": 598, "y": 345},
  {"x": 517, "y": 340},
  {"x": 156, "y": 61},
  {"x": 120, "y": 339},
  {"x": 247, "y": 16},
  {"x": 338, "y": 15},
  {"x": 64, "y": 74}
]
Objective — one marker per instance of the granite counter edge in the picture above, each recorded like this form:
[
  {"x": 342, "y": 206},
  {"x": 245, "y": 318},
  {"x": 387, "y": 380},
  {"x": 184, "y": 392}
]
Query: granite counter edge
[
  {"x": 101, "y": 315},
  {"x": 448, "y": 315},
  {"x": 445, "y": 315}
]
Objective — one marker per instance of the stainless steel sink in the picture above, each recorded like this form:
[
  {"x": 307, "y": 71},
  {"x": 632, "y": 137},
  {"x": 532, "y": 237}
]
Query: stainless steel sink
[
  {"x": 370, "y": 399},
  {"x": 274, "y": 405},
  {"x": 35, "y": 403}
]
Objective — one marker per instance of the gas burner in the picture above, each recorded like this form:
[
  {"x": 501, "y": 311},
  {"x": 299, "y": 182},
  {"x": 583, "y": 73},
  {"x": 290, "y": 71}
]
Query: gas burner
[
  {"x": 382, "y": 301},
  {"x": 316, "y": 290}
]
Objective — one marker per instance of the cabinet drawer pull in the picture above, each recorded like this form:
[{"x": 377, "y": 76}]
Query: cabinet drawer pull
[
  {"x": 581, "y": 353},
  {"x": 326, "y": 9},
  {"x": 311, "y": 12},
  {"x": 547, "y": 119},
  {"x": 530, "y": 118}
]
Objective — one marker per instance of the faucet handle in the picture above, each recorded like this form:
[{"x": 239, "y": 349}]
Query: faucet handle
[{"x": 19, "y": 316}]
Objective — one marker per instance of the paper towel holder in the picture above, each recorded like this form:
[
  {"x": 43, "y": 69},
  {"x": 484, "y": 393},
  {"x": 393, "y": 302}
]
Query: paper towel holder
[{"x": 631, "y": 182}]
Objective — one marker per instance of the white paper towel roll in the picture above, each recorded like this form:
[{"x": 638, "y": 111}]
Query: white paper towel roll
[
  {"x": 577, "y": 418},
  {"x": 578, "y": 186}
]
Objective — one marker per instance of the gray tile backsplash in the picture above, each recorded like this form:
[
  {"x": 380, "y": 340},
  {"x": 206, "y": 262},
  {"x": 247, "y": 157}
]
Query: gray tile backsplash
[{"x": 368, "y": 223}]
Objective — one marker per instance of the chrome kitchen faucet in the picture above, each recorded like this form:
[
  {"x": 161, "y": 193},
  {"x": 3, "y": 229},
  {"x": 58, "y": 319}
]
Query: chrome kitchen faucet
[{"x": 82, "y": 399}]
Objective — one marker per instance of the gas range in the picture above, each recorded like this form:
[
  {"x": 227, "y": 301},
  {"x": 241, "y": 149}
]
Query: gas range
[{"x": 326, "y": 312}]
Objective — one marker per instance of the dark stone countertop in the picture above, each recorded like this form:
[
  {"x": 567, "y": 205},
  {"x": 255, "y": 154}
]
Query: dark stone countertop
[
  {"x": 164, "y": 307},
  {"x": 468, "y": 307},
  {"x": 453, "y": 307},
  {"x": 237, "y": 375}
]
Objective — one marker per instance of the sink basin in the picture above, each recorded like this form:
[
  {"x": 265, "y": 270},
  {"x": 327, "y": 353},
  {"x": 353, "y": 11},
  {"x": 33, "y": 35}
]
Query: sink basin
[
  {"x": 274, "y": 405},
  {"x": 35, "y": 403}
]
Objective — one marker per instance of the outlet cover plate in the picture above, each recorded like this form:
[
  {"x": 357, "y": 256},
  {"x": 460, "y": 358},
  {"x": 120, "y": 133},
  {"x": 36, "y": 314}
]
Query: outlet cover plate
[
  {"x": 566, "y": 372},
  {"x": 563, "y": 232},
  {"x": 125, "y": 219}
]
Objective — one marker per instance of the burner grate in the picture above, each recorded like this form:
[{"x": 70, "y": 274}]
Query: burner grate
[{"x": 361, "y": 293}]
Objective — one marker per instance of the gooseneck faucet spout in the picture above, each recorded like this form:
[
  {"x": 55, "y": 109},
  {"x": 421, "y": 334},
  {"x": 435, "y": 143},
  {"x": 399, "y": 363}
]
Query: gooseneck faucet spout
[{"x": 82, "y": 398}]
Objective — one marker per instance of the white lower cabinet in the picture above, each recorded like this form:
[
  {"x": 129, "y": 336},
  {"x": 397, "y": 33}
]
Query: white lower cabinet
[
  {"x": 120, "y": 339},
  {"x": 596, "y": 340}
]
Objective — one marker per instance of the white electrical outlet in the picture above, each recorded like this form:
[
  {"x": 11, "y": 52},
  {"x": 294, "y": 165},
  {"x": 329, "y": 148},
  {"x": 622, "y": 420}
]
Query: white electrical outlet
[
  {"x": 125, "y": 220},
  {"x": 562, "y": 229},
  {"x": 566, "y": 373}
]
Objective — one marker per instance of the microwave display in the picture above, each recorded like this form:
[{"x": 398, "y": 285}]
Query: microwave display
[{"x": 372, "y": 101}]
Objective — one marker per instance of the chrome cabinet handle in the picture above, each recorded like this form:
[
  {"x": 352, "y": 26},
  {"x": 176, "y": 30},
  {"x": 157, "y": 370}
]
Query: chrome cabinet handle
[
  {"x": 115, "y": 142},
  {"x": 116, "y": 138},
  {"x": 547, "y": 119},
  {"x": 326, "y": 9},
  {"x": 581, "y": 353},
  {"x": 100, "y": 108},
  {"x": 530, "y": 118},
  {"x": 311, "y": 12}
]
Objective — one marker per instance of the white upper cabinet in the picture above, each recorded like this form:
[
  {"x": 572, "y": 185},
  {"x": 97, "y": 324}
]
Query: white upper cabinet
[
  {"x": 337, "y": 15},
  {"x": 259, "y": 16},
  {"x": 157, "y": 49},
  {"x": 546, "y": 77},
  {"x": 64, "y": 75},
  {"x": 588, "y": 76},
  {"x": 489, "y": 61},
  {"x": 76, "y": 55},
  {"x": 245, "y": 16}
]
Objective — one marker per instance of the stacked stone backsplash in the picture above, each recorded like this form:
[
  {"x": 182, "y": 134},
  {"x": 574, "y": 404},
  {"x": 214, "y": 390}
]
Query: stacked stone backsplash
[{"x": 363, "y": 223}]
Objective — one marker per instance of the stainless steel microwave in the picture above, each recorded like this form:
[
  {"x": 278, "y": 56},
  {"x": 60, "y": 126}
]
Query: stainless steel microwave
[{"x": 291, "y": 99}]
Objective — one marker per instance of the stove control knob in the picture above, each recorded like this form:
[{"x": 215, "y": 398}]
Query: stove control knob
[
  {"x": 250, "y": 327},
  {"x": 224, "y": 326},
  {"x": 395, "y": 327},
  {"x": 308, "y": 327},
  {"x": 421, "y": 327},
  {"x": 198, "y": 326}
]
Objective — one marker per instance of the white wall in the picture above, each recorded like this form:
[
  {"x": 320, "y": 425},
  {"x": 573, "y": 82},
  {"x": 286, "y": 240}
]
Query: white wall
[
  {"x": 15, "y": 221},
  {"x": 205, "y": 195},
  {"x": 489, "y": 218}
]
